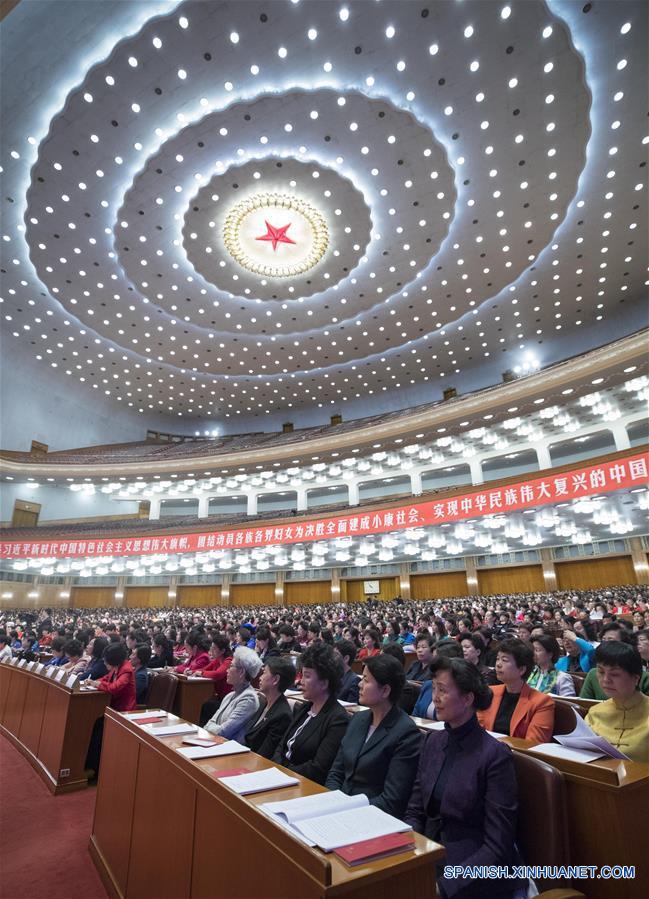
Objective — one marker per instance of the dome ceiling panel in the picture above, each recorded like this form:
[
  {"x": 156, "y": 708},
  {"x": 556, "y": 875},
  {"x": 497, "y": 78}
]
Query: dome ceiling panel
[{"x": 482, "y": 186}]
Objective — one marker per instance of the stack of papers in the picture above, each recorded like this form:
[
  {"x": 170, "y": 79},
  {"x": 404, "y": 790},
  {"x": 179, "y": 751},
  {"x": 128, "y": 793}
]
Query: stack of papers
[
  {"x": 148, "y": 714},
  {"x": 257, "y": 781},
  {"x": 170, "y": 730},
  {"x": 333, "y": 819},
  {"x": 230, "y": 747},
  {"x": 584, "y": 738}
]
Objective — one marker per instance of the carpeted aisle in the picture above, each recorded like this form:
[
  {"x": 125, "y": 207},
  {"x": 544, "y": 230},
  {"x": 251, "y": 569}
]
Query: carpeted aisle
[{"x": 43, "y": 838}]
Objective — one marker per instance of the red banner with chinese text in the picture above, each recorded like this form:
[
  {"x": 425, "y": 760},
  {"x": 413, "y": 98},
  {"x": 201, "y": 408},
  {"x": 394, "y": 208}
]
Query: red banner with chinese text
[{"x": 579, "y": 483}]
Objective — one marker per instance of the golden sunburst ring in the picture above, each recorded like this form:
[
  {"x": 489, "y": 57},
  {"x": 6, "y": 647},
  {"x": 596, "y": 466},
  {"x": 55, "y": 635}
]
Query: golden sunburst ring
[{"x": 241, "y": 229}]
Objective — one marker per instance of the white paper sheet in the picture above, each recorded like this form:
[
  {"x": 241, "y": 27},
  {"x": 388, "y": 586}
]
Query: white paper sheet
[
  {"x": 257, "y": 781},
  {"x": 352, "y": 826},
  {"x": 556, "y": 750},
  {"x": 169, "y": 731},
  {"x": 433, "y": 725},
  {"x": 230, "y": 747},
  {"x": 293, "y": 810},
  {"x": 584, "y": 737},
  {"x": 151, "y": 713}
]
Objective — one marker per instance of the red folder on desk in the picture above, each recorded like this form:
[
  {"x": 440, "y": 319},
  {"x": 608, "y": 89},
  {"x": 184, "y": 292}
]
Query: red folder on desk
[{"x": 368, "y": 850}]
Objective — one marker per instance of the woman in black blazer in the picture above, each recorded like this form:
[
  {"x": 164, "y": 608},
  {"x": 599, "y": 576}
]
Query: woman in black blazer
[
  {"x": 379, "y": 753},
  {"x": 311, "y": 741},
  {"x": 274, "y": 716}
]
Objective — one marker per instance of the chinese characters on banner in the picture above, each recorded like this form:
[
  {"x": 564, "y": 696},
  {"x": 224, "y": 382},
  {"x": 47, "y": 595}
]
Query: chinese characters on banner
[{"x": 616, "y": 474}]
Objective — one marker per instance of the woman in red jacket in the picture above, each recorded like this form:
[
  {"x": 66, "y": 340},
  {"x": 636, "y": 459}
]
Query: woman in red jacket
[
  {"x": 216, "y": 671},
  {"x": 198, "y": 657},
  {"x": 371, "y": 644},
  {"x": 119, "y": 683}
]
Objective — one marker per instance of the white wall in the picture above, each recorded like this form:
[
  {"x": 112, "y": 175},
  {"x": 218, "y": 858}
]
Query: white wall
[{"x": 60, "y": 502}]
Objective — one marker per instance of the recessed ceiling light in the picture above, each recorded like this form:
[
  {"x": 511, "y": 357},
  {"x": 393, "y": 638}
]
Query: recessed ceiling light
[
  {"x": 234, "y": 37},
  {"x": 468, "y": 31}
]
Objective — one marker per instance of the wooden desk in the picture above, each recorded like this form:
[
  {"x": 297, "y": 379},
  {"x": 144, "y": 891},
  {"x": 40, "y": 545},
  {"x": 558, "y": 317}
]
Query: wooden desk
[
  {"x": 607, "y": 816},
  {"x": 190, "y": 696},
  {"x": 165, "y": 828},
  {"x": 50, "y": 724}
]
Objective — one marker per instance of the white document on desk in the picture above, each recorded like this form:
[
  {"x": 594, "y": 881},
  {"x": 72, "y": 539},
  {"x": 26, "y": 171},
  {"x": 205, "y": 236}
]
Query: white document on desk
[
  {"x": 152, "y": 713},
  {"x": 292, "y": 810},
  {"x": 258, "y": 781},
  {"x": 230, "y": 747},
  {"x": 351, "y": 826},
  {"x": 584, "y": 737},
  {"x": 169, "y": 731},
  {"x": 557, "y": 751}
]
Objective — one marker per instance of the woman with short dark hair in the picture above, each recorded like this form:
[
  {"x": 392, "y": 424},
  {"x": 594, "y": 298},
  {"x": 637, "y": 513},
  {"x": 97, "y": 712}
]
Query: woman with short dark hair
[
  {"x": 311, "y": 741},
  {"x": 622, "y": 719},
  {"x": 371, "y": 644},
  {"x": 379, "y": 751},
  {"x": 544, "y": 676},
  {"x": 465, "y": 793},
  {"x": 197, "y": 644},
  {"x": 517, "y": 709},
  {"x": 265, "y": 729},
  {"x": 265, "y": 645},
  {"x": 96, "y": 666},
  {"x": 474, "y": 649},
  {"x": 163, "y": 656}
]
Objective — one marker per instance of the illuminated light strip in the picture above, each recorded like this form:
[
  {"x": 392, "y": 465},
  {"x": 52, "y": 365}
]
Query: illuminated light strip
[
  {"x": 578, "y": 483},
  {"x": 239, "y": 212}
]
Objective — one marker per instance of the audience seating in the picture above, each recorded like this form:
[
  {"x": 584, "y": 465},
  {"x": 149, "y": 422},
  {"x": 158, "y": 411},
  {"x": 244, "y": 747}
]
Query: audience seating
[
  {"x": 543, "y": 836},
  {"x": 162, "y": 691},
  {"x": 565, "y": 717}
]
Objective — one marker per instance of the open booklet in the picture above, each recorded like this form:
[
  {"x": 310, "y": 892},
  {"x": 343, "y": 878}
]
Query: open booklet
[
  {"x": 333, "y": 819},
  {"x": 582, "y": 740}
]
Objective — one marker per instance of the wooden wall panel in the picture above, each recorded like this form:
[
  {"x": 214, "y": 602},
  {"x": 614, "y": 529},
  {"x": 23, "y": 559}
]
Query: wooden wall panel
[
  {"x": 517, "y": 579},
  {"x": 252, "y": 594},
  {"x": 152, "y": 597},
  {"x": 352, "y": 590},
  {"x": 307, "y": 593},
  {"x": 582, "y": 574},
  {"x": 92, "y": 597},
  {"x": 438, "y": 586},
  {"x": 199, "y": 595}
]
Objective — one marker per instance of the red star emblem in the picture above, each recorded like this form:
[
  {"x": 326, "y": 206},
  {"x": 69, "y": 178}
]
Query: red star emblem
[{"x": 276, "y": 235}]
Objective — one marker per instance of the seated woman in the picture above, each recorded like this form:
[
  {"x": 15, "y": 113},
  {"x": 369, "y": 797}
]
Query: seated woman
[
  {"x": 623, "y": 719},
  {"x": 265, "y": 645},
  {"x": 371, "y": 644},
  {"x": 96, "y": 667},
  {"x": 425, "y": 707},
  {"x": 163, "y": 656},
  {"x": 265, "y": 729},
  {"x": 379, "y": 752},
  {"x": 544, "y": 676},
  {"x": 58, "y": 653},
  {"x": 348, "y": 690},
  {"x": 420, "y": 670},
  {"x": 579, "y": 654},
  {"x": 119, "y": 683},
  {"x": 217, "y": 671},
  {"x": 517, "y": 709},
  {"x": 465, "y": 793},
  {"x": 197, "y": 656},
  {"x": 238, "y": 707},
  {"x": 474, "y": 648},
  {"x": 77, "y": 660},
  {"x": 311, "y": 741}
]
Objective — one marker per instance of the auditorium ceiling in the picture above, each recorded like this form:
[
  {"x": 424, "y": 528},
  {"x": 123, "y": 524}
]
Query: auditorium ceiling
[{"x": 220, "y": 210}]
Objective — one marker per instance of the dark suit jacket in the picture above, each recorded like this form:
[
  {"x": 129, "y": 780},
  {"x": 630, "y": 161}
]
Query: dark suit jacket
[
  {"x": 478, "y": 810},
  {"x": 349, "y": 687},
  {"x": 317, "y": 745},
  {"x": 263, "y": 736},
  {"x": 383, "y": 767},
  {"x": 419, "y": 672}
]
